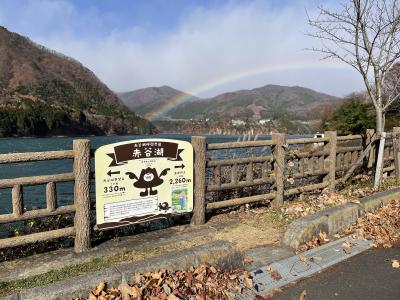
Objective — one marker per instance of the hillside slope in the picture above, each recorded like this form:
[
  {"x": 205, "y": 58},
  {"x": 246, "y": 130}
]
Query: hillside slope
[
  {"x": 44, "y": 93},
  {"x": 146, "y": 100},
  {"x": 270, "y": 101}
]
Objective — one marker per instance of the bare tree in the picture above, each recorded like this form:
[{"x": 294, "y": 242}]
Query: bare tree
[
  {"x": 391, "y": 89},
  {"x": 364, "y": 34}
]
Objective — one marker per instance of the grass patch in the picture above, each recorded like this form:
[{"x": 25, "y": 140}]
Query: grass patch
[
  {"x": 388, "y": 183},
  {"x": 276, "y": 218},
  {"x": 52, "y": 276}
]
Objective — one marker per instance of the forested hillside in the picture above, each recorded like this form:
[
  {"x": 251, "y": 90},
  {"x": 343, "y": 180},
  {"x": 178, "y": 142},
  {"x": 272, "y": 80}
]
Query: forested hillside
[{"x": 45, "y": 93}]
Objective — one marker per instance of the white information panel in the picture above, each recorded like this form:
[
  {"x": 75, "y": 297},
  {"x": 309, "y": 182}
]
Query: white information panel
[{"x": 142, "y": 180}]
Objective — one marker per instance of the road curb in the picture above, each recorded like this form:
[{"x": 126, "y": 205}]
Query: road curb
[
  {"x": 334, "y": 219},
  {"x": 220, "y": 253}
]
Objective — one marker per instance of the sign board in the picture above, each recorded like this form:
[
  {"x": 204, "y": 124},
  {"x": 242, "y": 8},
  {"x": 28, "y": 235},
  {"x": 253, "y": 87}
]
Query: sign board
[{"x": 142, "y": 180}]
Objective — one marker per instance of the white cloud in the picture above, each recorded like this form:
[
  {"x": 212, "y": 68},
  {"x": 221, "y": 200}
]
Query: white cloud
[{"x": 208, "y": 47}]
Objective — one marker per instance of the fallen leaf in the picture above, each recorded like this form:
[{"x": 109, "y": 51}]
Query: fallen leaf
[
  {"x": 247, "y": 260},
  {"x": 172, "y": 297},
  {"x": 167, "y": 289},
  {"x": 395, "y": 263},
  {"x": 248, "y": 282},
  {"x": 316, "y": 259},
  {"x": 156, "y": 275},
  {"x": 127, "y": 291},
  {"x": 137, "y": 278},
  {"x": 200, "y": 297},
  {"x": 303, "y": 259},
  {"x": 274, "y": 273},
  {"x": 303, "y": 295},
  {"x": 322, "y": 237},
  {"x": 347, "y": 246},
  {"x": 290, "y": 180},
  {"x": 99, "y": 288},
  {"x": 92, "y": 297}
]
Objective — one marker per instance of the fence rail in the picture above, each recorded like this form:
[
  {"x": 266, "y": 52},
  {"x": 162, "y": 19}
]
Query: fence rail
[
  {"x": 219, "y": 146},
  {"x": 35, "y": 156},
  {"x": 287, "y": 167}
]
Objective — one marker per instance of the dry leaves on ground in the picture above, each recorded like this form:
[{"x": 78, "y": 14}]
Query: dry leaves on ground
[
  {"x": 316, "y": 241},
  {"x": 312, "y": 204},
  {"x": 382, "y": 227},
  {"x": 323, "y": 200},
  {"x": 203, "y": 282}
]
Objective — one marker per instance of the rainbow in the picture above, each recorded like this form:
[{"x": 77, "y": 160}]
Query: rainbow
[{"x": 172, "y": 102}]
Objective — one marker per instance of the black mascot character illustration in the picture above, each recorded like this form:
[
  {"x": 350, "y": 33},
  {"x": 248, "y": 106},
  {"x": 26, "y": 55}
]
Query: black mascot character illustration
[
  {"x": 147, "y": 180},
  {"x": 164, "y": 206}
]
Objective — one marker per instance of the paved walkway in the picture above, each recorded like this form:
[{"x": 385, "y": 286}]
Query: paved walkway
[{"x": 366, "y": 276}]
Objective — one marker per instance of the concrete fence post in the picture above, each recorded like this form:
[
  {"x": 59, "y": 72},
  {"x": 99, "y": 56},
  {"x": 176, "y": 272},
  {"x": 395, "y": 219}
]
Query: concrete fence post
[
  {"x": 330, "y": 161},
  {"x": 396, "y": 152},
  {"x": 17, "y": 196},
  {"x": 278, "y": 153},
  {"x": 380, "y": 161},
  {"x": 81, "y": 150},
  {"x": 199, "y": 144},
  {"x": 372, "y": 153}
]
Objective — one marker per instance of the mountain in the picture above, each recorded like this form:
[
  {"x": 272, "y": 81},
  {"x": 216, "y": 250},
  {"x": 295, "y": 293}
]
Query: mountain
[
  {"x": 267, "y": 102},
  {"x": 43, "y": 92},
  {"x": 144, "y": 101}
]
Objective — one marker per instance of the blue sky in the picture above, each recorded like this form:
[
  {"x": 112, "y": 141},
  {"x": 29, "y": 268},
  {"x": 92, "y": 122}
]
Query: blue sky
[{"x": 204, "y": 47}]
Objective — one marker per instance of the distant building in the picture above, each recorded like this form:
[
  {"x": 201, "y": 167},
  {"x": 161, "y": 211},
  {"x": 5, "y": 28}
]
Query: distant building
[
  {"x": 264, "y": 121},
  {"x": 305, "y": 122},
  {"x": 238, "y": 122},
  {"x": 316, "y": 136}
]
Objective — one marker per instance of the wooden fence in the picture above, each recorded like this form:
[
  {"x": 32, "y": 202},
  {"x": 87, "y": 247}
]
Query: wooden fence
[
  {"x": 81, "y": 207},
  {"x": 293, "y": 166},
  {"x": 287, "y": 167}
]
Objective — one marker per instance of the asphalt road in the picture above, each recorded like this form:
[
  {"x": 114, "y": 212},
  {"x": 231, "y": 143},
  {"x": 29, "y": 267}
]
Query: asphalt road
[{"x": 366, "y": 276}]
